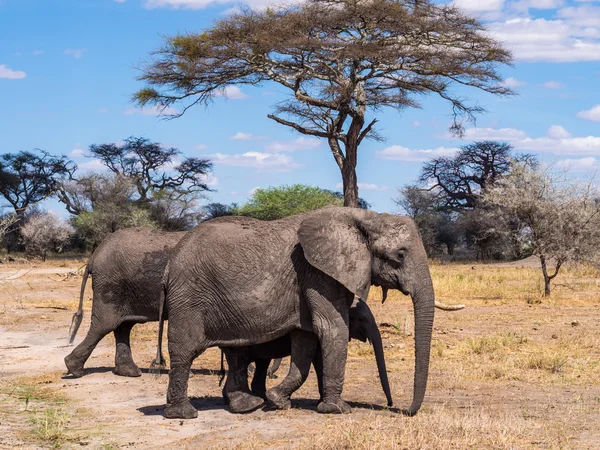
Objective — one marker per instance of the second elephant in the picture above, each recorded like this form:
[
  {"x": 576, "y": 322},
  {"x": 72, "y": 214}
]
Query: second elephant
[{"x": 362, "y": 326}]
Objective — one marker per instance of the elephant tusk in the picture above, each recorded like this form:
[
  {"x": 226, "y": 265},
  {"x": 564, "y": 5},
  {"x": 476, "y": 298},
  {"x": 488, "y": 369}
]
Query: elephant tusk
[{"x": 445, "y": 307}]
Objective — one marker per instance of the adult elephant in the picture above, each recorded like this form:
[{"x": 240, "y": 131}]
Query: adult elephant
[
  {"x": 362, "y": 326},
  {"x": 126, "y": 272},
  {"x": 236, "y": 281}
]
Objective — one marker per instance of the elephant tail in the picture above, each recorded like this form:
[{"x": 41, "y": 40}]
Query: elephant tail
[
  {"x": 78, "y": 316},
  {"x": 159, "y": 361},
  {"x": 222, "y": 372}
]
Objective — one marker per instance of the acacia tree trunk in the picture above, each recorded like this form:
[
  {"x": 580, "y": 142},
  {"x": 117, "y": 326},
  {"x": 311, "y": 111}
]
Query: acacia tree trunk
[{"x": 350, "y": 185}]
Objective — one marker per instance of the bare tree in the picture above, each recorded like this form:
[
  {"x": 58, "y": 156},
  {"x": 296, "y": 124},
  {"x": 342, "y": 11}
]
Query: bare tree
[
  {"x": 43, "y": 232},
  {"x": 459, "y": 180},
  {"x": 556, "y": 215},
  {"x": 340, "y": 60}
]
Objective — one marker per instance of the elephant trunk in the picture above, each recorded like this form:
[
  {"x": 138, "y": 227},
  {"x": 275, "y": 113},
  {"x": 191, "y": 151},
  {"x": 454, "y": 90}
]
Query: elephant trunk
[
  {"x": 375, "y": 338},
  {"x": 424, "y": 306}
]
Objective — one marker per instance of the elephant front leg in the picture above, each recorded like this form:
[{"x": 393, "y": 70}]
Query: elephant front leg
[
  {"x": 124, "y": 365},
  {"x": 303, "y": 349},
  {"x": 330, "y": 323}
]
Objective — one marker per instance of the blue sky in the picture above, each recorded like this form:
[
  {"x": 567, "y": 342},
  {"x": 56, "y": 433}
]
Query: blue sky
[{"x": 68, "y": 70}]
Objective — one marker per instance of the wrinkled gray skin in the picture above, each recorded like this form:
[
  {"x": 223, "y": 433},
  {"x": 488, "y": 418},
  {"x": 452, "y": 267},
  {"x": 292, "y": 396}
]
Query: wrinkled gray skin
[
  {"x": 241, "y": 400},
  {"x": 236, "y": 282},
  {"x": 126, "y": 270}
]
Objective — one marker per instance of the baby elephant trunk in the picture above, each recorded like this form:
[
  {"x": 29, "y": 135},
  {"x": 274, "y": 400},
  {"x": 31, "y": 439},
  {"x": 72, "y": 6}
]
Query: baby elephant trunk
[{"x": 375, "y": 338}]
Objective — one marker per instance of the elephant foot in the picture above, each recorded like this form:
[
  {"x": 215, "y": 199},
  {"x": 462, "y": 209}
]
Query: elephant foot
[
  {"x": 278, "y": 400},
  {"x": 183, "y": 410},
  {"x": 339, "y": 407},
  {"x": 260, "y": 392},
  {"x": 243, "y": 402},
  {"x": 127, "y": 370},
  {"x": 73, "y": 368}
]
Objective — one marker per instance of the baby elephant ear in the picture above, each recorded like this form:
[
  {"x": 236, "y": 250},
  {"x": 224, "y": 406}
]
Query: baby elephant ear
[{"x": 333, "y": 244}]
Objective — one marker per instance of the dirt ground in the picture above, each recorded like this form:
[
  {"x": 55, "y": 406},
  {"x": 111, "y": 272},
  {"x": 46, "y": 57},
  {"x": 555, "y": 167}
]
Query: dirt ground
[{"x": 509, "y": 371}]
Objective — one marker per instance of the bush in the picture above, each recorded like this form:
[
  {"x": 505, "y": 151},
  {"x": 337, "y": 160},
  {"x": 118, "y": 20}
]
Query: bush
[{"x": 43, "y": 232}]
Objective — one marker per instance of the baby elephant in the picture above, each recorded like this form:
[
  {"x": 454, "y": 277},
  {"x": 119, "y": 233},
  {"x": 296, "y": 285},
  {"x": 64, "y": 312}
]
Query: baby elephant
[
  {"x": 126, "y": 272},
  {"x": 241, "y": 399}
]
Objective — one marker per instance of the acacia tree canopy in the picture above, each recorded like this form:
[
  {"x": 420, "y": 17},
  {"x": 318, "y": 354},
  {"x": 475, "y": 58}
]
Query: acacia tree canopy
[
  {"x": 147, "y": 164},
  {"x": 340, "y": 60},
  {"x": 28, "y": 177}
]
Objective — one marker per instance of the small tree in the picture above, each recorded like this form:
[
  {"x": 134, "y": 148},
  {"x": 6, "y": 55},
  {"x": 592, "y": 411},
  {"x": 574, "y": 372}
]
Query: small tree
[
  {"x": 555, "y": 215},
  {"x": 438, "y": 227},
  {"x": 106, "y": 203},
  {"x": 277, "y": 202},
  {"x": 339, "y": 60},
  {"x": 213, "y": 210},
  {"x": 44, "y": 232}
]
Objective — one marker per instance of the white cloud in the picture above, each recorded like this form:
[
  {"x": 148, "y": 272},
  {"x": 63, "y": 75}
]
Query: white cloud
[
  {"x": 102, "y": 110},
  {"x": 232, "y": 93},
  {"x": 253, "y": 190},
  {"x": 558, "y": 132},
  {"x": 10, "y": 74},
  {"x": 152, "y": 111},
  {"x": 365, "y": 187},
  {"x": 258, "y": 160},
  {"x": 579, "y": 165},
  {"x": 491, "y": 134},
  {"x": 399, "y": 153},
  {"x": 553, "y": 85},
  {"x": 480, "y": 5},
  {"x": 583, "y": 16},
  {"x": 557, "y": 140},
  {"x": 239, "y": 136},
  {"x": 37, "y": 52},
  {"x": 547, "y": 40},
  {"x": 209, "y": 179},
  {"x": 513, "y": 82},
  {"x": 590, "y": 114},
  {"x": 524, "y": 5},
  {"x": 415, "y": 123},
  {"x": 201, "y": 147},
  {"x": 302, "y": 143},
  {"x": 75, "y": 52},
  {"x": 120, "y": 1},
  {"x": 94, "y": 164},
  {"x": 78, "y": 151}
]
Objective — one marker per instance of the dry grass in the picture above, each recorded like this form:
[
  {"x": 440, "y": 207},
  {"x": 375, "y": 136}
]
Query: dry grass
[{"x": 512, "y": 370}]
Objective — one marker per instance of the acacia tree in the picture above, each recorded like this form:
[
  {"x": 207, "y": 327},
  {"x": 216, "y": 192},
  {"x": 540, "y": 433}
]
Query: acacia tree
[
  {"x": 557, "y": 216},
  {"x": 28, "y": 178},
  {"x": 340, "y": 61}
]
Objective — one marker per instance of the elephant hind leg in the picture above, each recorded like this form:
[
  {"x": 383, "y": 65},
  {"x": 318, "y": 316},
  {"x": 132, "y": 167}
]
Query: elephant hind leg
[
  {"x": 124, "y": 364},
  {"x": 77, "y": 358},
  {"x": 182, "y": 352},
  {"x": 304, "y": 344}
]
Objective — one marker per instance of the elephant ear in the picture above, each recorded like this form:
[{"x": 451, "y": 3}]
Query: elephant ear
[{"x": 333, "y": 243}]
